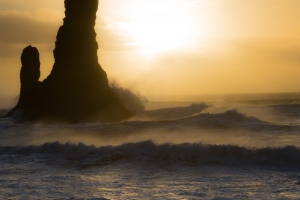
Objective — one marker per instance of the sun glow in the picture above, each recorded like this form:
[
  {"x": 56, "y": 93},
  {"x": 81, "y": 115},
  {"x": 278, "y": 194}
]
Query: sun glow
[{"x": 158, "y": 25}]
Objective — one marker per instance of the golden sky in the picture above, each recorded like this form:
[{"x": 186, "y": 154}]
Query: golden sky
[{"x": 169, "y": 47}]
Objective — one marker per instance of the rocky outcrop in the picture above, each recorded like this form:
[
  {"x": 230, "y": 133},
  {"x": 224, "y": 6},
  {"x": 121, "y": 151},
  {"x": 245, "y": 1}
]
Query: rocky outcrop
[
  {"x": 77, "y": 89},
  {"x": 30, "y": 85}
]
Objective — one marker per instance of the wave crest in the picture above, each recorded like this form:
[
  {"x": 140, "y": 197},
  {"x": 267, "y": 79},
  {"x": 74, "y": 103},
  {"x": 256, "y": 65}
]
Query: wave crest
[
  {"x": 148, "y": 150},
  {"x": 173, "y": 113},
  {"x": 287, "y": 110}
]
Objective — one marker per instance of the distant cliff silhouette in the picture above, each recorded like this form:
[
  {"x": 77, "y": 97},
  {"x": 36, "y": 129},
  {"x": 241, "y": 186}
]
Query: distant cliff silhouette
[{"x": 77, "y": 89}]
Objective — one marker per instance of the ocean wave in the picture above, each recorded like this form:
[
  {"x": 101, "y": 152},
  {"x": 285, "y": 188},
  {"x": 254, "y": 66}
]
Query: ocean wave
[
  {"x": 197, "y": 153},
  {"x": 287, "y": 110},
  {"x": 228, "y": 115},
  {"x": 228, "y": 120},
  {"x": 201, "y": 117},
  {"x": 172, "y": 113}
]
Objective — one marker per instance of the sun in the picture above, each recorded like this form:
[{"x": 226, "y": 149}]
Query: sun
[{"x": 158, "y": 25}]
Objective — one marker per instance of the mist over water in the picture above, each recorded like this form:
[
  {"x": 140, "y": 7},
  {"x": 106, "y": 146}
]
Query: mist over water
[
  {"x": 218, "y": 135},
  {"x": 243, "y": 121}
]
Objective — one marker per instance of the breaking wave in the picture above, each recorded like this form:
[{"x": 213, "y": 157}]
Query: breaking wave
[
  {"x": 227, "y": 119},
  {"x": 197, "y": 153},
  {"x": 230, "y": 119},
  {"x": 193, "y": 116},
  {"x": 173, "y": 113}
]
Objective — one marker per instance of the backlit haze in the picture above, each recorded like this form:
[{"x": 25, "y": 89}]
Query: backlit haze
[{"x": 168, "y": 47}]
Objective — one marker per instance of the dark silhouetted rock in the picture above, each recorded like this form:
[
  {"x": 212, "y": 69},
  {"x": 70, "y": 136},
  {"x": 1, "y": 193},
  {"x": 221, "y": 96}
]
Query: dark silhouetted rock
[
  {"x": 77, "y": 89},
  {"x": 30, "y": 74}
]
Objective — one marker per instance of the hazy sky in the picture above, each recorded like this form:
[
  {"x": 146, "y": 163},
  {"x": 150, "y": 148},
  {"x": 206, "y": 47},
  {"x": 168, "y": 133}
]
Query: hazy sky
[{"x": 169, "y": 46}]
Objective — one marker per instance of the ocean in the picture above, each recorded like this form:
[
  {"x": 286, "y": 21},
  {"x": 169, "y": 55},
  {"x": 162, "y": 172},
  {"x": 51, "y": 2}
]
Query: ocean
[{"x": 181, "y": 147}]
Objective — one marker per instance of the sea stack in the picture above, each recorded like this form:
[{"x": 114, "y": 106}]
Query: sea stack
[
  {"x": 29, "y": 78},
  {"x": 77, "y": 89}
]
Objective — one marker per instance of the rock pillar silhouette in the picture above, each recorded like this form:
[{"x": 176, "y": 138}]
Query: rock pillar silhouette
[{"x": 77, "y": 88}]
